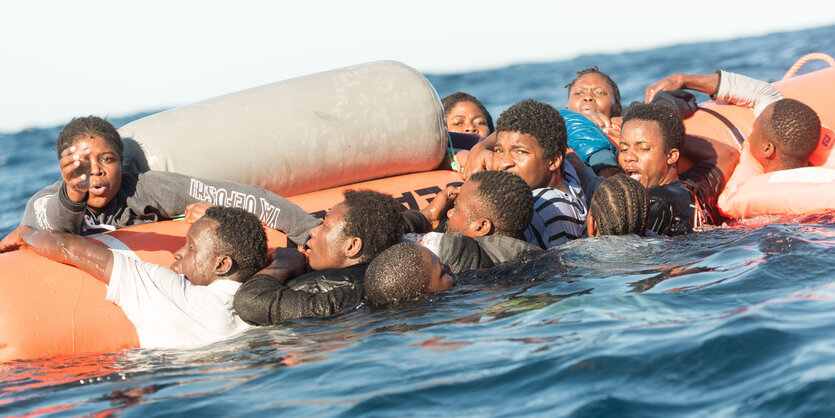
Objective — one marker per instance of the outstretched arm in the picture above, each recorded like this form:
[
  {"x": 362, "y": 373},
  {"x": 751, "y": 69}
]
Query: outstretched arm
[
  {"x": 63, "y": 247},
  {"x": 705, "y": 83},
  {"x": 723, "y": 86}
]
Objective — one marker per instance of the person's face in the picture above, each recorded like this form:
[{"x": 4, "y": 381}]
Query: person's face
[
  {"x": 590, "y": 94},
  {"x": 105, "y": 171},
  {"x": 521, "y": 155},
  {"x": 441, "y": 276},
  {"x": 641, "y": 154},
  {"x": 197, "y": 259},
  {"x": 461, "y": 217},
  {"x": 466, "y": 118},
  {"x": 325, "y": 246}
]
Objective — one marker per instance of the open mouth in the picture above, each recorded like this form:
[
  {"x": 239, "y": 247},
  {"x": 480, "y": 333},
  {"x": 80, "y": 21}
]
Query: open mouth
[
  {"x": 633, "y": 173},
  {"x": 98, "y": 188}
]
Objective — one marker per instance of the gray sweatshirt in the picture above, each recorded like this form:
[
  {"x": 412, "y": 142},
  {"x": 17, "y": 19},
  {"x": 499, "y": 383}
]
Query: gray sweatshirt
[{"x": 157, "y": 196}]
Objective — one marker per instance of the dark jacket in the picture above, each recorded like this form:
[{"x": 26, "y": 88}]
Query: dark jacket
[{"x": 262, "y": 300}]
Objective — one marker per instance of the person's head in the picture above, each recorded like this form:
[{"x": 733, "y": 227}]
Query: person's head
[
  {"x": 105, "y": 145},
  {"x": 465, "y": 114},
  {"x": 594, "y": 91},
  {"x": 531, "y": 141},
  {"x": 405, "y": 272},
  {"x": 226, "y": 243},
  {"x": 355, "y": 230},
  {"x": 619, "y": 206},
  {"x": 492, "y": 203},
  {"x": 650, "y": 139},
  {"x": 785, "y": 135}
]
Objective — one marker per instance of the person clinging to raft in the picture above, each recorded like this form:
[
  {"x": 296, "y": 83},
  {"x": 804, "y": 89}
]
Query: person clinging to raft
[
  {"x": 531, "y": 141},
  {"x": 95, "y": 194},
  {"x": 189, "y": 304}
]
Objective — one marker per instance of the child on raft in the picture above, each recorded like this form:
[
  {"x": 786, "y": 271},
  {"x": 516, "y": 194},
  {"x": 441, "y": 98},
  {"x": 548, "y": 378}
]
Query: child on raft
[
  {"x": 95, "y": 195},
  {"x": 465, "y": 114}
]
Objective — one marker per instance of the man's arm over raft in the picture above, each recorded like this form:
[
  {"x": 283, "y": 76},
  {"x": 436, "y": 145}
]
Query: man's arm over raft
[
  {"x": 723, "y": 86},
  {"x": 63, "y": 247}
]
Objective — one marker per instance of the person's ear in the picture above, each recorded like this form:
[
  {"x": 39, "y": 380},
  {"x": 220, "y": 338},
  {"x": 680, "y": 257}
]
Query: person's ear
[
  {"x": 555, "y": 164},
  {"x": 352, "y": 247},
  {"x": 672, "y": 156},
  {"x": 482, "y": 227},
  {"x": 591, "y": 226},
  {"x": 616, "y": 110},
  {"x": 768, "y": 150},
  {"x": 223, "y": 265}
]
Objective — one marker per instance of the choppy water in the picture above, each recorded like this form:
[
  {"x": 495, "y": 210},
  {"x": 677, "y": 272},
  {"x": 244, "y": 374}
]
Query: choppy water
[{"x": 733, "y": 321}]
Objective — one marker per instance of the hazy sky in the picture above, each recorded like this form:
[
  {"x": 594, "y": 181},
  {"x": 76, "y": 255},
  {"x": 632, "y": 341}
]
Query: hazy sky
[{"x": 67, "y": 58}]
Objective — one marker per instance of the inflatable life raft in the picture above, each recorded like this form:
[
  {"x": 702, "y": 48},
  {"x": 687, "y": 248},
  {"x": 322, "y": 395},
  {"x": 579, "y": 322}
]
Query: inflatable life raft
[{"x": 750, "y": 191}]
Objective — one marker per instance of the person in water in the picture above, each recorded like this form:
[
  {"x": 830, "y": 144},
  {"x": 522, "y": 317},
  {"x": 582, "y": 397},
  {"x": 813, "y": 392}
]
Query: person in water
[
  {"x": 619, "y": 206},
  {"x": 465, "y": 114},
  {"x": 339, "y": 250},
  {"x": 95, "y": 195},
  {"x": 651, "y": 141},
  {"x": 406, "y": 272},
  {"x": 485, "y": 222},
  {"x": 596, "y": 96},
  {"x": 785, "y": 134},
  {"x": 189, "y": 304},
  {"x": 531, "y": 142}
]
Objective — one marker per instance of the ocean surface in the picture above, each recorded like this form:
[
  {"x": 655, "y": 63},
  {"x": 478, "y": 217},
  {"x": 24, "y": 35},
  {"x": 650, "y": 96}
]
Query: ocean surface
[{"x": 733, "y": 321}]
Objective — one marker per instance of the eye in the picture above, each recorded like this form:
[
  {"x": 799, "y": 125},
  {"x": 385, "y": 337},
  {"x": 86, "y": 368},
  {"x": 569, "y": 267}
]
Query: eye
[
  {"x": 479, "y": 122},
  {"x": 498, "y": 151},
  {"x": 521, "y": 151},
  {"x": 106, "y": 160},
  {"x": 600, "y": 92}
]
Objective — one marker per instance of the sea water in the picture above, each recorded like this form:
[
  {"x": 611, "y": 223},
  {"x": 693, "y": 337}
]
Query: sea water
[{"x": 732, "y": 321}]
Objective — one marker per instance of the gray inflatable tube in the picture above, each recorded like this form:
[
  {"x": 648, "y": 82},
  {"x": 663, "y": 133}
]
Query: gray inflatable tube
[{"x": 315, "y": 132}]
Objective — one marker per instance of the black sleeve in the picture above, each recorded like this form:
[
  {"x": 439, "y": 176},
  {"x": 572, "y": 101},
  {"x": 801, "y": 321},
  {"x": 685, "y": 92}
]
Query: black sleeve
[
  {"x": 706, "y": 182},
  {"x": 463, "y": 253},
  {"x": 263, "y": 301},
  {"x": 416, "y": 222}
]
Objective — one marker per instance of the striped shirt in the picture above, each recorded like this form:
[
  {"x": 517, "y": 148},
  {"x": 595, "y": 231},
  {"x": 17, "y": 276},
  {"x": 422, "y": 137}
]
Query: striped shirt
[{"x": 558, "y": 216}]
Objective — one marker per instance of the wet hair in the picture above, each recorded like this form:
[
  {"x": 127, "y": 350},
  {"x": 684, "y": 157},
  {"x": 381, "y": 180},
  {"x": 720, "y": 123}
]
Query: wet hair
[
  {"x": 87, "y": 127},
  {"x": 453, "y": 99},
  {"x": 620, "y": 206},
  {"x": 506, "y": 200},
  {"x": 241, "y": 235},
  {"x": 539, "y": 120},
  {"x": 376, "y": 218},
  {"x": 795, "y": 129},
  {"x": 667, "y": 117},
  {"x": 612, "y": 84},
  {"x": 399, "y": 274}
]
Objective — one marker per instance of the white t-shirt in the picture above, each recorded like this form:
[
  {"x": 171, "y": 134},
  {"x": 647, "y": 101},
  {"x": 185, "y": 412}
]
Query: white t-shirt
[{"x": 167, "y": 309}]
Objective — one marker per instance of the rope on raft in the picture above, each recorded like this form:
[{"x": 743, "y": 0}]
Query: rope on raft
[{"x": 806, "y": 58}]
